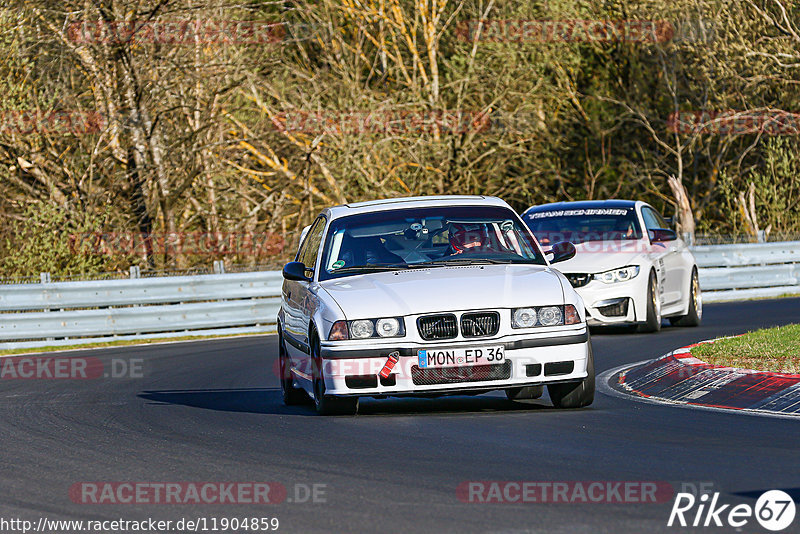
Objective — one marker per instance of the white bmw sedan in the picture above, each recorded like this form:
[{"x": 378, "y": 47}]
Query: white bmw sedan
[
  {"x": 631, "y": 269},
  {"x": 429, "y": 296}
]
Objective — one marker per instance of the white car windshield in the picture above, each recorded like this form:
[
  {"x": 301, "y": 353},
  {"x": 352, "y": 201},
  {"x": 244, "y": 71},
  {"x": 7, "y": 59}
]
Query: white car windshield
[
  {"x": 426, "y": 237},
  {"x": 582, "y": 225}
]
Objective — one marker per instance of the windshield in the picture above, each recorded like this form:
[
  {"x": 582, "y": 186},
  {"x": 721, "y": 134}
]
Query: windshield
[
  {"x": 582, "y": 225},
  {"x": 424, "y": 237}
]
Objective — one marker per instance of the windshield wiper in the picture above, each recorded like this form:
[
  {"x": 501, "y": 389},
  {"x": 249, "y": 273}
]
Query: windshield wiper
[
  {"x": 370, "y": 268},
  {"x": 461, "y": 261}
]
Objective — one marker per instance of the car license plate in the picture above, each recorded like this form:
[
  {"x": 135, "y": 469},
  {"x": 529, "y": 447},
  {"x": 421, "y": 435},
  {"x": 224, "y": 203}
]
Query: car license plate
[{"x": 455, "y": 357}]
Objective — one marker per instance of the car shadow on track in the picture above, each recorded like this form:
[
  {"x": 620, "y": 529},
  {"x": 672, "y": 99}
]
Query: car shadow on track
[
  {"x": 627, "y": 330},
  {"x": 245, "y": 400},
  {"x": 268, "y": 401},
  {"x": 455, "y": 405}
]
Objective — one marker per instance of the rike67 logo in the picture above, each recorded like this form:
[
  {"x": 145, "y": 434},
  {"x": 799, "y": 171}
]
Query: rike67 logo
[{"x": 774, "y": 510}]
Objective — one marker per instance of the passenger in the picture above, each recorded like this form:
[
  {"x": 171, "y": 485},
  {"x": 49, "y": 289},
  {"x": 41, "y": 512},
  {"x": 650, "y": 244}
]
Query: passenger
[{"x": 366, "y": 251}]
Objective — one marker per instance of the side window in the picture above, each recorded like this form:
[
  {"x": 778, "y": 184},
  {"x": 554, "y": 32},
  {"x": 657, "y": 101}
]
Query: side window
[
  {"x": 304, "y": 241},
  {"x": 310, "y": 249},
  {"x": 661, "y": 221},
  {"x": 652, "y": 220}
]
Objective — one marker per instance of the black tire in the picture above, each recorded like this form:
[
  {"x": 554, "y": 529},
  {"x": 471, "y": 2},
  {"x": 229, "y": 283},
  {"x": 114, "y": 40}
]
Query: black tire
[
  {"x": 695, "y": 314},
  {"x": 575, "y": 394},
  {"x": 291, "y": 395},
  {"x": 653, "y": 321},
  {"x": 524, "y": 393},
  {"x": 326, "y": 404}
]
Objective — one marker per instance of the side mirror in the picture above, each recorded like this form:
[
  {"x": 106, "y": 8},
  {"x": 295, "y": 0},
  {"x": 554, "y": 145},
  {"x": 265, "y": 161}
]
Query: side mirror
[
  {"x": 659, "y": 235},
  {"x": 296, "y": 271},
  {"x": 562, "y": 251}
]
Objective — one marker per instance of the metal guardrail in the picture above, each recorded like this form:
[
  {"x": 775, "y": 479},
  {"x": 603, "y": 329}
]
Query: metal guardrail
[
  {"x": 744, "y": 271},
  {"x": 72, "y": 313},
  {"x": 129, "y": 292}
]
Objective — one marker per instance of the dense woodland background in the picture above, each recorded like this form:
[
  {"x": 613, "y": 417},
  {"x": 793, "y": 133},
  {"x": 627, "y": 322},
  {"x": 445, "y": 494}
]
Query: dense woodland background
[{"x": 194, "y": 137}]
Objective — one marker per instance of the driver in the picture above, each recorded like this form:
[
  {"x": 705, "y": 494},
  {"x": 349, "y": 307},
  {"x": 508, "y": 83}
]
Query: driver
[
  {"x": 464, "y": 240},
  {"x": 624, "y": 227}
]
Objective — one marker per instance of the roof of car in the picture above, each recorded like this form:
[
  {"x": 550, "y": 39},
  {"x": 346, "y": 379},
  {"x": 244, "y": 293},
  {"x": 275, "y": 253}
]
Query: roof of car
[
  {"x": 411, "y": 202},
  {"x": 583, "y": 204}
]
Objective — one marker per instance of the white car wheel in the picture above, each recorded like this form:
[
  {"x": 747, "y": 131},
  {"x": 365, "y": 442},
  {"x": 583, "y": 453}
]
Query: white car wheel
[
  {"x": 695, "y": 313},
  {"x": 653, "y": 319},
  {"x": 575, "y": 394}
]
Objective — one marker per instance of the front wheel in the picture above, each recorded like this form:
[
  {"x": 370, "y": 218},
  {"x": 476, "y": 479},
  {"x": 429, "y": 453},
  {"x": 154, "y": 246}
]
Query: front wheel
[
  {"x": 326, "y": 404},
  {"x": 575, "y": 394},
  {"x": 695, "y": 314},
  {"x": 291, "y": 395},
  {"x": 653, "y": 320}
]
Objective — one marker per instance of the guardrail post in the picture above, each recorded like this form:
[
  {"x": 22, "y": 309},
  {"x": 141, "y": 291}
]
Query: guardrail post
[
  {"x": 135, "y": 272},
  {"x": 45, "y": 279},
  {"x": 219, "y": 267}
]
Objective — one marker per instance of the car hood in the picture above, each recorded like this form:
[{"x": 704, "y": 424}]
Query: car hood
[
  {"x": 440, "y": 289},
  {"x": 597, "y": 256}
]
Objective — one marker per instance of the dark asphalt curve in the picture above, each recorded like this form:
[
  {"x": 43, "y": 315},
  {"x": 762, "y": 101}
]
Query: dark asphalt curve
[{"x": 211, "y": 412}]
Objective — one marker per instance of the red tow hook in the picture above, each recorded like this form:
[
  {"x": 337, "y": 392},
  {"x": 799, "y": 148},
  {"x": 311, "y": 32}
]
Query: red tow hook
[{"x": 394, "y": 357}]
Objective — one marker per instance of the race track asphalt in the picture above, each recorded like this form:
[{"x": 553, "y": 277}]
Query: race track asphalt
[{"x": 210, "y": 411}]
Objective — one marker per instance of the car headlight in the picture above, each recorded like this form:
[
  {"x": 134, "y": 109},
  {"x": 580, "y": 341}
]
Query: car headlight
[
  {"x": 618, "y": 275},
  {"x": 387, "y": 327},
  {"x": 550, "y": 316},
  {"x": 367, "y": 328},
  {"x": 524, "y": 317},
  {"x": 544, "y": 316},
  {"x": 362, "y": 329}
]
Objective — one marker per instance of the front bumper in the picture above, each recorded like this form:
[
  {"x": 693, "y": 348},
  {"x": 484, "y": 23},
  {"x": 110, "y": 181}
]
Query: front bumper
[
  {"x": 529, "y": 360},
  {"x": 615, "y": 304}
]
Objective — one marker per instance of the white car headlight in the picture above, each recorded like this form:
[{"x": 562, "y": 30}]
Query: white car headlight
[
  {"x": 622, "y": 274},
  {"x": 550, "y": 316},
  {"x": 367, "y": 328},
  {"x": 361, "y": 329},
  {"x": 545, "y": 316},
  {"x": 524, "y": 317},
  {"x": 387, "y": 327}
]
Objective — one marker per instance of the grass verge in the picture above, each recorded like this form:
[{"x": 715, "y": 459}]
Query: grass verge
[{"x": 774, "y": 350}]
